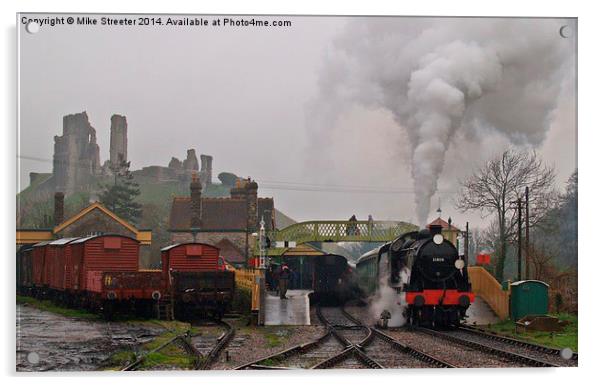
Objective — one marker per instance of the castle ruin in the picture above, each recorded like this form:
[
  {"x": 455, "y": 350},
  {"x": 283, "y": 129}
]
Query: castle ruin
[
  {"x": 118, "y": 152},
  {"x": 76, "y": 159},
  {"x": 76, "y": 153},
  {"x": 206, "y": 170}
]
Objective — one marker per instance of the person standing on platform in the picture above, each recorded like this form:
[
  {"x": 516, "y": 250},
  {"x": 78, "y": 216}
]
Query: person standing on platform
[{"x": 283, "y": 279}]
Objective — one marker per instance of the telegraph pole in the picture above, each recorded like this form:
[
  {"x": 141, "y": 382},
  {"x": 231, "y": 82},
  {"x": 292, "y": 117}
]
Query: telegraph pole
[
  {"x": 519, "y": 251},
  {"x": 466, "y": 244},
  {"x": 528, "y": 248},
  {"x": 262, "y": 244}
]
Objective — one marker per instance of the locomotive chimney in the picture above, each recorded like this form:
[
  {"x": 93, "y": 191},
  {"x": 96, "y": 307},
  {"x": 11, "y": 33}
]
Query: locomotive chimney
[
  {"x": 195, "y": 202},
  {"x": 59, "y": 208}
]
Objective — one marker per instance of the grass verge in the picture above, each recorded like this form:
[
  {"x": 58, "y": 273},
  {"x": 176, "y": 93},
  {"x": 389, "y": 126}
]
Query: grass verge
[
  {"x": 47, "y": 305},
  {"x": 563, "y": 339},
  {"x": 172, "y": 356}
]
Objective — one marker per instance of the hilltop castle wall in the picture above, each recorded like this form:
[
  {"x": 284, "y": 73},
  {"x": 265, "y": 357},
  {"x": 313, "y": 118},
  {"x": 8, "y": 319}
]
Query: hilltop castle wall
[
  {"x": 76, "y": 153},
  {"x": 118, "y": 151},
  {"x": 76, "y": 157}
]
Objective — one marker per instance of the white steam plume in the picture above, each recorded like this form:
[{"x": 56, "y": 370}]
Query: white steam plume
[
  {"x": 387, "y": 298},
  {"x": 438, "y": 76},
  {"x": 438, "y": 92}
]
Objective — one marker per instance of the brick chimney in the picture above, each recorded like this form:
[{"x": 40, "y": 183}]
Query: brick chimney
[
  {"x": 252, "y": 219},
  {"x": 195, "y": 202},
  {"x": 239, "y": 191},
  {"x": 59, "y": 208}
]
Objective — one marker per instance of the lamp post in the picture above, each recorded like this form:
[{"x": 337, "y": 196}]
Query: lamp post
[
  {"x": 527, "y": 240},
  {"x": 262, "y": 244},
  {"x": 520, "y": 241}
]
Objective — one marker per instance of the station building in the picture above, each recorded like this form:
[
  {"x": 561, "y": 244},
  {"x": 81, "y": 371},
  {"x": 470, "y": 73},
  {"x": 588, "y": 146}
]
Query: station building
[
  {"x": 227, "y": 223},
  {"x": 449, "y": 231},
  {"x": 94, "y": 219}
]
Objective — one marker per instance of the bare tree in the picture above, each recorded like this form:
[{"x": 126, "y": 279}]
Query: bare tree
[
  {"x": 542, "y": 264},
  {"x": 497, "y": 186}
]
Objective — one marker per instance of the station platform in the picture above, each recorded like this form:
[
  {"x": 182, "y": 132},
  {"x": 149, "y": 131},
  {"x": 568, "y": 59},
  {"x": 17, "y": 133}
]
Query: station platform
[
  {"x": 291, "y": 311},
  {"x": 480, "y": 313}
]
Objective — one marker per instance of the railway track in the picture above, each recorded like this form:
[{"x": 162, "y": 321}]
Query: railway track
[
  {"x": 390, "y": 353},
  {"x": 347, "y": 344},
  {"x": 196, "y": 346},
  {"x": 302, "y": 356},
  {"x": 207, "y": 349},
  {"x": 140, "y": 360},
  {"x": 536, "y": 351},
  {"x": 333, "y": 348},
  {"x": 459, "y": 337}
]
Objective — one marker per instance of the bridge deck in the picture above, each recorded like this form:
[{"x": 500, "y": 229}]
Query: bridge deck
[{"x": 337, "y": 231}]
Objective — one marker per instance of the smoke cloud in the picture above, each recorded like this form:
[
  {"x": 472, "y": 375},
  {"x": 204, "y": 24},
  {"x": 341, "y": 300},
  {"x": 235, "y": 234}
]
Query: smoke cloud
[
  {"x": 437, "y": 77},
  {"x": 387, "y": 298}
]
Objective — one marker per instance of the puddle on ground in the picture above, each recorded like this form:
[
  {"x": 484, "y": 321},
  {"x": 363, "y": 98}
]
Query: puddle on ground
[{"x": 47, "y": 341}]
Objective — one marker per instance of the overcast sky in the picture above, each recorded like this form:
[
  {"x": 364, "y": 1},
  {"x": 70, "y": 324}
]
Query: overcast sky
[{"x": 247, "y": 96}]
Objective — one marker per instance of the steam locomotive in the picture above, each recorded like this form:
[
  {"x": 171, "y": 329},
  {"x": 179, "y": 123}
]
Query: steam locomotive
[{"x": 427, "y": 272}]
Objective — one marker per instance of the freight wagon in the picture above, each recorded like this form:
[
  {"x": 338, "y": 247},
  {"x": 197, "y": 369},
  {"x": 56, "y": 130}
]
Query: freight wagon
[
  {"x": 101, "y": 273},
  {"x": 198, "y": 283}
]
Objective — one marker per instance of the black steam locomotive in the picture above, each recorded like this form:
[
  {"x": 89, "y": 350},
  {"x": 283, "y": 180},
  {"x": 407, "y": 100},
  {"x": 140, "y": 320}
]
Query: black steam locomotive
[{"x": 427, "y": 272}]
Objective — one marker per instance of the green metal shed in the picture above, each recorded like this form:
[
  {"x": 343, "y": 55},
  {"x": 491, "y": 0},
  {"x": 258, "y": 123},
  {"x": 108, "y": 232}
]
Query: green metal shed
[{"x": 528, "y": 298}]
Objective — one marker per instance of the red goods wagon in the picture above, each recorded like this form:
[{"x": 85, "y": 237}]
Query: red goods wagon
[
  {"x": 144, "y": 284},
  {"x": 196, "y": 280},
  {"x": 39, "y": 258},
  {"x": 47, "y": 267},
  {"x": 95, "y": 255},
  {"x": 56, "y": 263},
  {"x": 25, "y": 269},
  {"x": 190, "y": 257}
]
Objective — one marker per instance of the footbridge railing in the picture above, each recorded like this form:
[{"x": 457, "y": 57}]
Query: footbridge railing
[
  {"x": 343, "y": 231},
  {"x": 337, "y": 231},
  {"x": 490, "y": 290}
]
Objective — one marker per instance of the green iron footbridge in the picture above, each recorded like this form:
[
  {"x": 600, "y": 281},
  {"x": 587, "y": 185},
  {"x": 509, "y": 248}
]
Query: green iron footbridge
[{"x": 335, "y": 231}]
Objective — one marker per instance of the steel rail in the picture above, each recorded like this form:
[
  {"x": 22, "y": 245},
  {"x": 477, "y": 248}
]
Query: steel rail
[
  {"x": 422, "y": 356},
  {"x": 516, "y": 357},
  {"x": 301, "y": 348},
  {"x": 284, "y": 354},
  {"x": 140, "y": 360},
  {"x": 335, "y": 329},
  {"x": 350, "y": 351},
  {"x": 213, "y": 355},
  {"x": 513, "y": 341}
]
